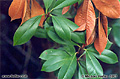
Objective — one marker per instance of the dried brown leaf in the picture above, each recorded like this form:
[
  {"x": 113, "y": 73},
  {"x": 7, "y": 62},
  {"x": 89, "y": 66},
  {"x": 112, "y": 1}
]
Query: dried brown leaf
[
  {"x": 65, "y": 10},
  {"x": 36, "y": 10},
  {"x": 16, "y": 9},
  {"x": 26, "y": 13},
  {"x": 110, "y": 8},
  {"x": 101, "y": 40},
  {"x": 85, "y": 19}
]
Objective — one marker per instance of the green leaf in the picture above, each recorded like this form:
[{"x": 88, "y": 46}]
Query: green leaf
[
  {"x": 69, "y": 49},
  {"x": 58, "y": 12},
  {"x": 116, "y": 33},
  {"x": 80, "y": 1},
  {"x": 81, "y": 72},
  {"x": 64, "y": 3},
  {"x": 52, "y": 34},
  {"x": 47, "y": 3},
  {"x": 109, "y": 30},
  {"x": 63, "y": 27},
  {"x": 78, "y": 37},
  {"x": 26, "y": 30},
  {"x": 50, "y": 53},
  {"x": 68, "y": 69},
  {"x": 108, "y": 44},
  {"x": 40, "y": 33},
  {"x": 54, "y": 63},
  {"x": 108, "y": 56},
  {"x": 93, "y": 66}
]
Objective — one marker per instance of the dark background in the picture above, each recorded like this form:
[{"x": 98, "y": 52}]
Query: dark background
[{"x": 24, "y": 59}]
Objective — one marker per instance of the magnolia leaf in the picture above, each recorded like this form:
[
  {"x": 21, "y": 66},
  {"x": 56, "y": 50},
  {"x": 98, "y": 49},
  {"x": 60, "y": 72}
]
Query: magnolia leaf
[
  {"x": 52, "y": 34},
  {"x": 68, "y": 69},
  {"x": 101, "y": 40},
  {"x": 93, "y": 66},
  {"x": 40, "y": 33},
  {"x": 47, "y": 3},
  {"x": 82, "y": 71},
  {"x": 64, "y": 3},
  {"x": 63, "y": 27},
  {"x": 108, "y": 44},
  {"x": 78, "y": 37},
  {"x": 85, "y": 19},
  {"x": 36, "y": 10},
  {"x": 50, "y": 53},
  {"x": 65, "y": 10},
  {"x": 110, "y": 8},
  {"x": 106, "y": 56},
  {"x": 26, "y": 13},
  {"x": 55, "y": 59},
  {"x": 16, "y": 9},
  {"x": 116, "y": 33},
  {"x": 26, "y": 30}
]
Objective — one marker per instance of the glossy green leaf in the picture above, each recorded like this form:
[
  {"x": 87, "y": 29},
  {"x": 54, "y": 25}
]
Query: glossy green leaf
[
  {"x": 109, "y": 30},
  {"x": 52, "y": 34},
  {"x": 81, "y": 72},
  {"x": 108, "y": 44},
  {"x": 40, "y": 33},
  {"x": 58, "y": 12},
  {"x": 93, "y": 66},
  {"x": 63, "y": 27},
  {"x": 68, "y": 69},
  {"x": 116, "y": 33},
  {"x": 106, "y": 56},
  {"x": 26, "y": 30},
  {"x": 80, "y": 1},
  {"x": 50, "y": 53},
  {"x": 54, "y": 63},
  {"x": 47, "y": 3},
  {"x": 78, "y": 37},
  {"x": 64, "y": 3},
  {"x": 69, "y": 49}
]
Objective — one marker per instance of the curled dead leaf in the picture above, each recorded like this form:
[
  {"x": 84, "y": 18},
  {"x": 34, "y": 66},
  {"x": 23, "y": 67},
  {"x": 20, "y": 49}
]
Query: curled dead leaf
[
  {"x": 36, "y": 10},
  {"x": 110, "y": 8},
  {"x": 101, "y": 40},
  {"x": 65, "y": 10},
  {"x": 85, "y": 19},
  {"x": 16, "y": 9},
  {"x": 26, "y": 13}
]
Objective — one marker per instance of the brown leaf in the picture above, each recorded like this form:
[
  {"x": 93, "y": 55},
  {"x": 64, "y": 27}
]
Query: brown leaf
[
  {"x": 110, "y": 8},
  {"x": 65, "y": 10},
  {"x": 16, "y": 9},
  {"x": 26, "y": 13},
  {"x": 36, "y": 10},
  {"x": 101, "y": 40},
  {"x": 85, "y": 19}
]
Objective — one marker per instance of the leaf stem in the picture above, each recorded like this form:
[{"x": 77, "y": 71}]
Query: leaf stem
[{"x": 82, "y": 55}]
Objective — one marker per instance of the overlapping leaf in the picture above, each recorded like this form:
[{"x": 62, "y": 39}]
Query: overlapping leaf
[
  {"x": 16, "y": 9},
  {"x": 65, "y": 9},
  {"x": 63, "y": 27},
  {"x": 85, "y": 19},
  {"x": 93, "y": 66},
  {"x": 101, "y": 40},
  {"x": 23, "y": 33},
  {"x": 55, "y": 59},
  {"x": 36, "y": 10},
  {"x": 21, "y": 9},
  {"x": 64, "y": 3},
  {"x": 110, "y": 8}
]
